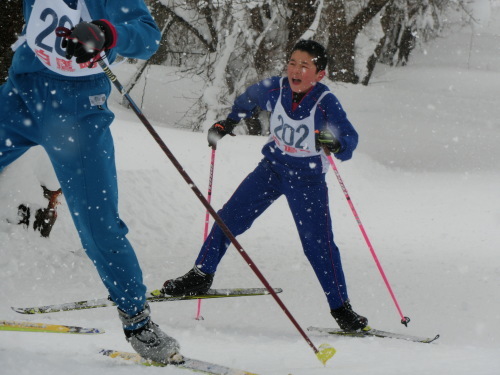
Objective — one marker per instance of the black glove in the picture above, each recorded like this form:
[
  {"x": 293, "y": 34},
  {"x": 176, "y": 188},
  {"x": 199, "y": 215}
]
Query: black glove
[
  {"x": 325, "y": 138},
  {"x": 88, "y": 39},
  {"x": 219, "y": 130}
]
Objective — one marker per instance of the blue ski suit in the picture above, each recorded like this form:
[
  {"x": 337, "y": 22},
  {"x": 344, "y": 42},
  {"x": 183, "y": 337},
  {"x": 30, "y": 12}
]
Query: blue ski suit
[
  {"x": 292, "y": 166},
  {"x": 68, "y": 116}
]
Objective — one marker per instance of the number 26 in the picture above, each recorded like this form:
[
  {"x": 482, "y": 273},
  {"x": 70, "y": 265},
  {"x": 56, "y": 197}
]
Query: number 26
[{"x": 51, "y": 28}]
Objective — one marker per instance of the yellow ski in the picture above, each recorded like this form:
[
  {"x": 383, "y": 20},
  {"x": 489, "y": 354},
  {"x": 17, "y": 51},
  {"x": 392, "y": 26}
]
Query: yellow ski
[{"x": 10, "y": 325}]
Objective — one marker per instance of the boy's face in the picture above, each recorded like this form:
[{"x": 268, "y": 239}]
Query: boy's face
[{"x": 302, "y": 72}]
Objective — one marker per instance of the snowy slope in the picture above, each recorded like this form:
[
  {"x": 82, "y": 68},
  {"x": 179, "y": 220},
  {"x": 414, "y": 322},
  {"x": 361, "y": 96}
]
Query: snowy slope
[{"x": 424, "y": 180}]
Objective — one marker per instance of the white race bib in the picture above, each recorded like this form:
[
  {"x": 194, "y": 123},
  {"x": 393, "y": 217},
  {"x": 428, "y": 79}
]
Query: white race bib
[
  {"x": 294, "y": 137},
  {"x": 46, "y": 16}
]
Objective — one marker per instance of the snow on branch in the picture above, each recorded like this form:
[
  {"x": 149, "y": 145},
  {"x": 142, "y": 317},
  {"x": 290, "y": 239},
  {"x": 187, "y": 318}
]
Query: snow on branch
[{"x": 311, "y": 31}]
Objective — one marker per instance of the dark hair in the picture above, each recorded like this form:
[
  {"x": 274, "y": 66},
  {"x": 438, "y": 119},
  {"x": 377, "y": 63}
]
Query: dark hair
[{"x": 316, "y": 50}]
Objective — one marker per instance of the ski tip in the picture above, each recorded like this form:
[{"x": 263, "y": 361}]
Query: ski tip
[
  {"x": 21, "y": 310},
  {"x": 326, "y": 351},
  {"x": 428, "y": 341}
]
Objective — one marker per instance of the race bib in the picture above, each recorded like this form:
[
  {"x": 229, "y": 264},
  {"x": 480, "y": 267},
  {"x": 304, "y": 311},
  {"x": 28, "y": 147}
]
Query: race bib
[
  {"x": 46, "y": 16},
  {"x": 294, "y": 137}
]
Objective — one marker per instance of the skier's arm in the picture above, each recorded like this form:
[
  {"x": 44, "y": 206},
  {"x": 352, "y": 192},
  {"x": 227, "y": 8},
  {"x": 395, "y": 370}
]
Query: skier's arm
[
  {"x": 258, "y": 95},
  {"x": 138, "y": 35},
  {"x": 255, "y": 96}
]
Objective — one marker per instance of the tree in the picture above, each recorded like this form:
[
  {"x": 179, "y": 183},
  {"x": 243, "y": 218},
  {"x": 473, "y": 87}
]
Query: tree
[
  {"x": 405, "y": 21},
  {"x": 11, "y": 23},
  {"x": 342, "y": 36}
]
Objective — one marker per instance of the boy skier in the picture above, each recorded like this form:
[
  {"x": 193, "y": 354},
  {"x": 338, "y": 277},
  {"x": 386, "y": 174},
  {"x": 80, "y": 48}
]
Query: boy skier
[
  {"x": 56, "y": 97},
  {"x": 305, "y": 118}
]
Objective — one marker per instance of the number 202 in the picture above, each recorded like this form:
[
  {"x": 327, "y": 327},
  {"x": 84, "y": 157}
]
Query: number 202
[{"x": 288, "y": 138}]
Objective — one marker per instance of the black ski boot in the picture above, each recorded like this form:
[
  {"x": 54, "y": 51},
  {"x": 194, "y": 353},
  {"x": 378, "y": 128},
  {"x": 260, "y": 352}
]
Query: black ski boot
[
  {"x": 192, "y": 283},
  {"x": 24, "y": 213},
  {"x": 347, "y": 319}
]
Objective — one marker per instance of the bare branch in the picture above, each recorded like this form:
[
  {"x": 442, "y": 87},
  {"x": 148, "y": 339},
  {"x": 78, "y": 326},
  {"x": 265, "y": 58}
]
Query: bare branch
[{"x": 211, "y": 46}]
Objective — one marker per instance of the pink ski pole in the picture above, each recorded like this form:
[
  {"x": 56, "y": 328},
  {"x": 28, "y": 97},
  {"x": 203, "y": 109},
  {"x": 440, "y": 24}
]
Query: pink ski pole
[
  {"x": 404, "y": 319},
  {"x": 207, "y": 216}
]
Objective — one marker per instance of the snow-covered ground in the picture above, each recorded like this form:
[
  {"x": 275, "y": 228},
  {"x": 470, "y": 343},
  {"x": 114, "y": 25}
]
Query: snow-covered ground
[{"x": 425, "y": 181}]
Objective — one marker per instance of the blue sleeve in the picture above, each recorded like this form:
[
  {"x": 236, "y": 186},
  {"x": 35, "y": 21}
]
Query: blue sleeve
[
  {"x": 138, "y": 34},
  {"x": 262, "y": 95},
  {"x": 340, "y": 126}
]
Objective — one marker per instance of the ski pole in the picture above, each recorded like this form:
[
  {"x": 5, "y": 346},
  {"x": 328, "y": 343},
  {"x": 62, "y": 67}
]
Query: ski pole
[
  {"x": 326, "y": 351},
  {"x": 207, "y": 214},
  {"x": 404, "y": 319}
]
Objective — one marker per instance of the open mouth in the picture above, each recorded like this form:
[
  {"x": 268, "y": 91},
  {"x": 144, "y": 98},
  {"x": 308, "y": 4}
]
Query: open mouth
[{"x": 296, "y": 81}]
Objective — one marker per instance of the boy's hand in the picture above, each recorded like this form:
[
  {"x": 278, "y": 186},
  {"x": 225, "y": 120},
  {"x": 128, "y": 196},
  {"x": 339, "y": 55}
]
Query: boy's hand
[
  {"x": 219, "y": 130},
  {"x": 325, "y": 139}
]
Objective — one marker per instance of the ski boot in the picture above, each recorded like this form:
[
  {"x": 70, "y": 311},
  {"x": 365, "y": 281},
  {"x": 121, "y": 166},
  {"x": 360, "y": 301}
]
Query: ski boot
[
  {"x": 347, "y": 319},
  {"x": 149, "y": 341},
  {"x": 24, "y": 213},
  {"x": 46, "y": 217},
  {"x": 192, "y": 283}
]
